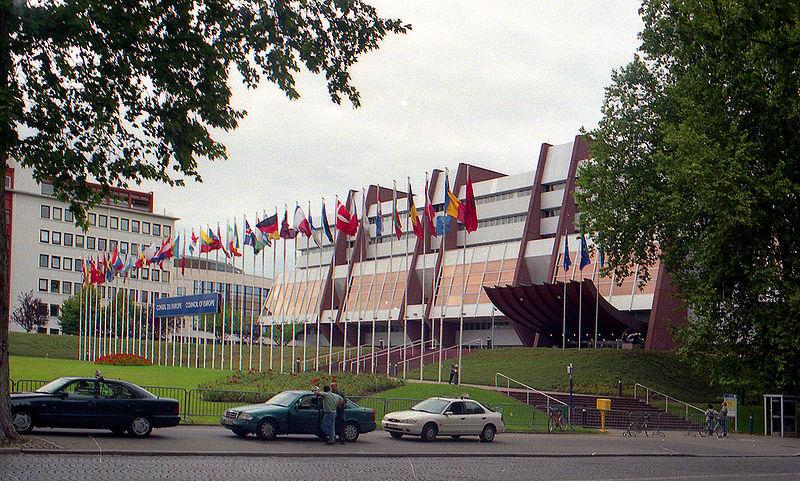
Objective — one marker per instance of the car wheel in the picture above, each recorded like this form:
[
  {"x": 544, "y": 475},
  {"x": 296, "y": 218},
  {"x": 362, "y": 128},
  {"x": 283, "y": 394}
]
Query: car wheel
[
  {"x": 240, "y": 433},
  {"x": 119, "y": 430},
  {"x": 267, "y": 430},
  {"x": 22, "y": 422},
  {"x": 429, "y": 432},
  {"x": 350, "y": 432},
  {"x": 487, "y": 435},
  {"x": 455, "y": 436},
  {"x": 396, "y": 435},
  {"x": 140, "y": 426}
]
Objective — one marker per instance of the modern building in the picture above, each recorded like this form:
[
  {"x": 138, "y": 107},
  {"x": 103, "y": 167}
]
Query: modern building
[
  {"x": 504, "y": 281},
  {"x": 47, "y": 249}
]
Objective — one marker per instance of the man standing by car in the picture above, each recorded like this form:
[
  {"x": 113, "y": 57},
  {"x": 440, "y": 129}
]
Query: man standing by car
[
  {"x": 339, "y": 412},
  {"x": 329, "y": 404},
  {"x": 453, "y": 373}
]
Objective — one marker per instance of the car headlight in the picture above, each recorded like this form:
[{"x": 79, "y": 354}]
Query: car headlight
[
  {"x": 411, "y": 421},
  {"x": 246, "y": 416}
]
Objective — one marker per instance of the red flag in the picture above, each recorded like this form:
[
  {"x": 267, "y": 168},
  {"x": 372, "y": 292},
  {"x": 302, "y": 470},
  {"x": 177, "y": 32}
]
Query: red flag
[
  {"x": 286, "y": 231},
  {"x": 412, "y": 214},
  {"x": 345, "y": 221},
  {"x": 470, "y": 210},
  {"x": 429, "y": 213}
]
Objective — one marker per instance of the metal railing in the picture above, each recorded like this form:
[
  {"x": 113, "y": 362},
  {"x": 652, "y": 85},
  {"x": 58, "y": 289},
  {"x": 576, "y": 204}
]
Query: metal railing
[
  {"x": 528, "y": 390},
  {"x": 655, "y": 396}
]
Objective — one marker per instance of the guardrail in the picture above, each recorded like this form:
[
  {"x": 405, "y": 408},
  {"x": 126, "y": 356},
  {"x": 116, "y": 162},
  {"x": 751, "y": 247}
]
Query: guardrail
[
  {"x": 652, "y": 396},
  {"x": 550, "y": 399}
]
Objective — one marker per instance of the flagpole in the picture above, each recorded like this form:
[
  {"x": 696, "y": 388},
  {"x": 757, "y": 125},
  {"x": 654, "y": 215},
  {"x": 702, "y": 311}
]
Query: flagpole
[
  {"x": 390, "y": 272},
  {"x": 233, "y": 308},
  {"x": 308, "y": 277},
  {"x": 464, "y": 275},
  {"x": 333, "y": 283},
  {"x": 597, "y": 301},
  {"x": 252, "y": 295},
  {"x": 260, "y": 304},
  {"x": 378, "y": 215},
  {"x": 564, "y": 315},
  {"x": 424, "y": 299},
  {"x": 443, "y": 253},
  {"x": 317, "y": 276},
  {"x": 295, "y": 286},
  {"x": 214, "y": 316},
  {"x": 274, "y": 276},
  {"x": 361, "y": 275},
  {"x": 408, "y": 279}
]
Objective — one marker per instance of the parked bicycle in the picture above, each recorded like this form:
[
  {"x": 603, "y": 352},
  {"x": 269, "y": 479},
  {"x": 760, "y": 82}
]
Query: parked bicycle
[
  {"x": 555, "y": 420},
  {"x": 712, "y": 427},
  {"x": 639, "y": 423}
]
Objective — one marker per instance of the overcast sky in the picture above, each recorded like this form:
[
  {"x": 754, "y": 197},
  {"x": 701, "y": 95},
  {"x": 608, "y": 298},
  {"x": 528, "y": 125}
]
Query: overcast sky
[{"x": 478, "y": 82}]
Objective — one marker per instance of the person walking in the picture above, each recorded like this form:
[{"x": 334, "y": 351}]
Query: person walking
[
  {"x": 723, "y": 419},
  {"x": 329, "y": 403},
  {"x": 453, "y": 373},
  {"x": 340, "y": 406}
]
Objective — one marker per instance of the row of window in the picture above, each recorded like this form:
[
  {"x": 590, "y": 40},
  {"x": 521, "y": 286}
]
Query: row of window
[
  {"x": 486, "y": 199},
  {"x": 111, "y": 222},
  {"x": 70, "y": 264},
  {"x": 208, "y": 286},
  {"x": 88, "y": 242},
  {"x": 57, "y": 286},
  {"x": 551, "y": 213}
]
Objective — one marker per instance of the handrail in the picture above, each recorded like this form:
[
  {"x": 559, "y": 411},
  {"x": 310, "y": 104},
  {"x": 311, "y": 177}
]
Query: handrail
[
  {"x": 529, "y": 390},
  {"x": 383, "y": 352},
  {"x": 667, "y": 398}
]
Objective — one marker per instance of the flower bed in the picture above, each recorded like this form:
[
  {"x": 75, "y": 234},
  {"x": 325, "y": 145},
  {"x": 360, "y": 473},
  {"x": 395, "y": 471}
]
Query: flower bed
[{"x": 123, "y": 360}]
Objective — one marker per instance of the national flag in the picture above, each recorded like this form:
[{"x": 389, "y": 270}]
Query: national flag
[
  {"x": 602, "y": 254},
  {"x": 428, "y": 213},
  {"x": 455, "y": 208},
  {"x": 443, "y": 224},
  {"x": 326, "y": 227},
  {"x": 262, "y": 237},
  {"x": 140, "y": 261},
  {"x": 232, "y": 240},
  {"x": 300, "y": 222},
  {"x": 416, "y": 225},
  {"x": 109, "y": 269},
  {"x": 193, "y": 243},
  {"x": 567, "y": 262},
  {"x": 345, "y": 221},
  {"x": 470, "y": 209},
  {"x": 378, "y": 215},
  {"x": 249, "y": 236},
  {"x": 398, "y": 227},
  {"x": 97, "y": 276},
  {"x": 315, "y": 233},
  {"x": 207, "y": 241},
  {"x": 269, "y": 226},
  {"x": 116, "y": 261},
  {"x": 286, "y": 231},
  {"x": 585, "y": 260},
  {"x": 222, "y": 246}
]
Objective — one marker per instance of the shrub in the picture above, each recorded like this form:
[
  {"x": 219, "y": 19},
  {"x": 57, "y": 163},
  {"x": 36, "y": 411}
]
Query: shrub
[{"x": 123, "y": 360}]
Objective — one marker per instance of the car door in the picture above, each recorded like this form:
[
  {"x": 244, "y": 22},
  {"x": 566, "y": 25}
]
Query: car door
[
  {"x": 476, "y": 417},
  {"x": 454, "y": 419},
  {"x": 305, "y": 415},
  {"x": 74, "y": 405},
  {"x": 114, "y": 404}
]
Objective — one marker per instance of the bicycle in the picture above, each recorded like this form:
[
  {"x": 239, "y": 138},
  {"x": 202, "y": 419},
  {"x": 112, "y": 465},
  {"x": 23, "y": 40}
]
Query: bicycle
[
  {"x": 711, "y": 427},
  {"x": 555, "y": 420}
]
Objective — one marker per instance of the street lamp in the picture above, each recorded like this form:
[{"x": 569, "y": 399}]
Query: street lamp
[{"x": 570, "y": 371}]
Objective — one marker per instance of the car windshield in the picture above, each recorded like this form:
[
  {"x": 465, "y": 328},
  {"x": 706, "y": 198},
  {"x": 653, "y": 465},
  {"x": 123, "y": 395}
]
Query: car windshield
[
  {"x": 53, "y": 386},
  {"x": 432, "y": 406},
  {"x": 283, "y": 399}
]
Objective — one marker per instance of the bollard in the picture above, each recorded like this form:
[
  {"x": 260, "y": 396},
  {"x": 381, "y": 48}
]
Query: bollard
[
  {"x": 751, "y": 424},
  {"x": 584, "y": 417},
  {"x": 619, "y": 388}
]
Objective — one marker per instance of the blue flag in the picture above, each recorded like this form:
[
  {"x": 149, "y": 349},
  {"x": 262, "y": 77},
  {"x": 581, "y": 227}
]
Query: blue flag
[
  {"x": 567, "y": 262},
  {"x": 326, "y": 228},
  {"x": 443, "y": 224},
  {"x": 378, "y": 217},
  {"x": 585, "y": 260},
  {"x": 602, "y": 257}
]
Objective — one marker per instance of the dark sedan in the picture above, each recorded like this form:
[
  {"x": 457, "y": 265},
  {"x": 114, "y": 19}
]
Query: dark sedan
[
  {"x": 294, "y": 412},
  {"x": 91, "y": 403}
]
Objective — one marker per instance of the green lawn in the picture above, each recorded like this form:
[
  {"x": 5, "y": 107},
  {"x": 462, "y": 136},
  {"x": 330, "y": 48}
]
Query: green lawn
[{"x": 42, "y": 345}]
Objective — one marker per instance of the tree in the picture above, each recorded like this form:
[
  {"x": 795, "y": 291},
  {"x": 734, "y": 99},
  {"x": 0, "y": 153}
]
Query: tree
[
  {"x": 696, "y": 163},
  {"x": 118, "y": 92},
  {"x": 31, "y": 313}
]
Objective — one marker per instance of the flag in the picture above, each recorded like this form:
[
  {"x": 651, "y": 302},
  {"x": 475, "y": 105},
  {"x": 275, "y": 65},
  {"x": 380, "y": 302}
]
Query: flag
[
  {"x": 300, "y": 222},
  {"x": 398, "y": 227},
  {"x": 236, "y": 246},
  {"x": 208, "y": 242},
  {"x": 108, "y": 269},
  {"x": 470, "y": 209},
  {"x": 249, "y": 236},
  {"x": 602, "y": 256},
  {"x": 140, "y": 261},
  {"x": 193, "y": 243},
  {"x": 443, "y": 224},
  {"x": 567, "y": 262},
  {"x": 286, "y": 231},
  {"x": 428, "y": 213},
  {"x": 232, "y": 239},
  {"x": 585, "y": 260},
  {"x": 218, "y": 239},
  {"x": 412, "y": 214},
  {"x": 455, "y": 208},
  {"x": 345, "y": 221},
  {"x": 117, "y": 261},
  {"x": 326, "y": 227},
  {"x": 97, "y": 276},
  {"x": 264, "y": 237},
  {"x": 269, "y": 226},
  {"x": 315, "y": 233},
  {"x": 378, "y": 216}
]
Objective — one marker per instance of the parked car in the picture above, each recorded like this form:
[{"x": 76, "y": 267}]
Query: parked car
[
  {"x": 445, "y": 416},
  {"x": 93, "y": 403},
  {"x": 294, "y": 412}
]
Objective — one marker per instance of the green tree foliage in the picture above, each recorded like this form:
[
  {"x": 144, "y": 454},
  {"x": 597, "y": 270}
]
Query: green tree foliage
[
  {"x": 286, "y": 335},
  {"x": 70, "y": 313},
  {"x": 696, "y": 162},
  {"x": 119, "y": 92},
  {"x": 222, "y": 321}
]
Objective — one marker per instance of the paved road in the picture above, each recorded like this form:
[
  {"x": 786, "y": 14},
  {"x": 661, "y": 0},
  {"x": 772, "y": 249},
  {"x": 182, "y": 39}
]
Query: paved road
[
  {"x": 217, "y": 440},
  {"x": 47, "y": 467}
]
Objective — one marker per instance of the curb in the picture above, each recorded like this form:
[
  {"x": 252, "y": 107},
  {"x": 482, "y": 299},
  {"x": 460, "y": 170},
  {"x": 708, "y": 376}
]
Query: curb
[{"x": 119, "y": 452}]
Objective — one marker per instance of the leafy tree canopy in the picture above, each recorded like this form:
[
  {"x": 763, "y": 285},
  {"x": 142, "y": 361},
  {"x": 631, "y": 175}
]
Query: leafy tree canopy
[{"x": 696, "y": 162}]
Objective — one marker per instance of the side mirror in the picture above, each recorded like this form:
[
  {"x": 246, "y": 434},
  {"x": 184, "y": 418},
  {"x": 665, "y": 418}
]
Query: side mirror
[
  {"x": 63, "y": 395},
  {"x": 448, "y": 413}
]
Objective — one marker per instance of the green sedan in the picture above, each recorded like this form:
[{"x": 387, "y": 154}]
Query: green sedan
[{"x": 294, "y": 412}]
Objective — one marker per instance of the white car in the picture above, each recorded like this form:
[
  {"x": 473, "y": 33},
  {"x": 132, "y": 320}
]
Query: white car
[{"x": 445, "y": 416}]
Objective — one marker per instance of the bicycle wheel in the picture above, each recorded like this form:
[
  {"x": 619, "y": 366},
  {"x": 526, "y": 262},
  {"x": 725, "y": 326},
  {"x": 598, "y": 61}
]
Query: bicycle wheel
[{"x": 549, "y": 424}]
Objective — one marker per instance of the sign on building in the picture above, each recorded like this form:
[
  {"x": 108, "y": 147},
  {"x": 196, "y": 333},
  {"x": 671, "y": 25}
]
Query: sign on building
[{"x": 187, "y": 305}]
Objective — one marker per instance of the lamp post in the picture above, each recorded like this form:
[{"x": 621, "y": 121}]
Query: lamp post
[{"x": 570, "y": 371}]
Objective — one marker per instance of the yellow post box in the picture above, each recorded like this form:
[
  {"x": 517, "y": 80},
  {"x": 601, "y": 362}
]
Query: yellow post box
[{"x": 603, "y": 405}]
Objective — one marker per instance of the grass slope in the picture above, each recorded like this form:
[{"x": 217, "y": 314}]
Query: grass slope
[
  {"x": 596, "y": 372},
  {"x": 42, "y": 345}
]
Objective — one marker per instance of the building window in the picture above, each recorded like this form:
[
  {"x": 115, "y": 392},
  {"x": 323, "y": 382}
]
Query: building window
[
  {"x": 114, "y": 223},
  {"x": 134, "y": 248},
  {"x": 101, "y": 244},
  {"x": 67, "y": 239},
  {"x": 68, "y": 263},
  {"x": 44, "y": 260},
  {"x": 44, "y": 236},
  {"x": 156, "y": 276},
  {"x": 68, "y": 217},
  {"x": 123, "y": 247},
  {"x": 90, "y": 243},
  {"x": 55, "y": 262},
  {"x": 53, "y": 310},
  {"x": 146, "y": 274},
  {"x": 165, "y": 276},
  {"x": 45, "y": 212},
  {"x": 143, "y": 297},
  {"x": 135, "y": 226},
  {"x": 181, "y": 291},
  {"x": 8, "y": 182},
  {"x": 124, "y": 225},
  {"x": 167, "y": 231},
  {"x": 112, "y": 245},
  {"x": 66, "y": 288},
  {"x": 78, "y": 265},
  {"x": 79, "y": 241},
  {"x": 55, "y": 286},
  {"x": 157, "y": 230},
  {"x": 56, "y": 238},
  {"x": 134, "y": 274},
  {"x": 102, "y": 221},
  {"x": 56, "y": 213},
  {"x": 42, "y": 285},
  {"x": 92, "y": 218},
  {"x": 145, "y": 227}
]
